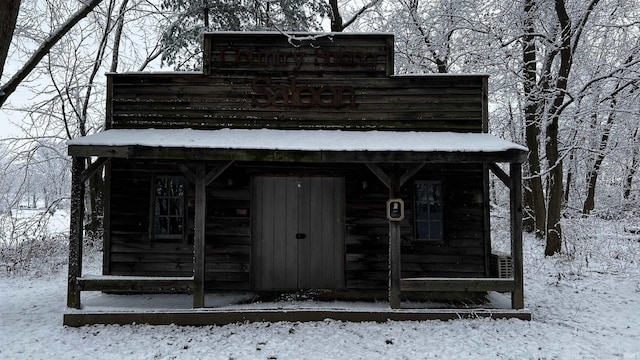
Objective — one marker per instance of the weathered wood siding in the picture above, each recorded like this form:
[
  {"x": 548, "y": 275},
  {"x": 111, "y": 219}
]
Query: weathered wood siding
[
  {"x": 179, "y": 100},
  {"x": 131, "y": 252},
  {"x": 228, "y": 235},
  {"x": 460, "y": 254}
]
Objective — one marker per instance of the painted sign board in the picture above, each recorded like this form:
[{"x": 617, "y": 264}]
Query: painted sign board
[
  {"x": 328, "y": 55},
  {"x": 297, "y": 81}
]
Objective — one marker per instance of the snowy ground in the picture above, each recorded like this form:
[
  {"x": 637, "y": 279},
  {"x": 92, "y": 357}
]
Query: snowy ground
[{"x": 585, "y": 305}]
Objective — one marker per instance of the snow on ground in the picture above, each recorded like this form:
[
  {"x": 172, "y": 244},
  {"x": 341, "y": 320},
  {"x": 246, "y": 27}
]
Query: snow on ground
[{"x": 585, "y": 305}]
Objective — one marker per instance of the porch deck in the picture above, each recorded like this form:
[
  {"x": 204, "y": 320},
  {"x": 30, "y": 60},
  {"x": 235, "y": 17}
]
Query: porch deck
[{"x": 228, "y": 308}]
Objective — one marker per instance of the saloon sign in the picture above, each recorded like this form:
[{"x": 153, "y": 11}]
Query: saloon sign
[
  {"x": 320, "y": 58},
  {"x": 298, "y": 74},
  {"x": 292, "y": 94}
]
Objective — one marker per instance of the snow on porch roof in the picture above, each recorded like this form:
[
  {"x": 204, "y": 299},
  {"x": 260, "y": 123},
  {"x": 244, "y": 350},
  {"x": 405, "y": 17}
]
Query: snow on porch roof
[
  {"x": 295, "y": 140},
  {"x": 305, "y": 140}
]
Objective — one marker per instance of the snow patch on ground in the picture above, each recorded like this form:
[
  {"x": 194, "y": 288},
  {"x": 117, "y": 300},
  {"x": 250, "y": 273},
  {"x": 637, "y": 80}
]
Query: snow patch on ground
[{"x": 585, "y": 305}]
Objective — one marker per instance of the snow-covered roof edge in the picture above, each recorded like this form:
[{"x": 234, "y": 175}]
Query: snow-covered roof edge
[{"x": 301, "y": 140}]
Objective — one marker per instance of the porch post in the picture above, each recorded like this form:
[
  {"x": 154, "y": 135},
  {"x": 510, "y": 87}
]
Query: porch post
[
  {"x": 199, "y": 237},
  {"x": 394, "y": 245},
  {"x": 517, "y": 296},
  {"x": 75, "y": 232}
]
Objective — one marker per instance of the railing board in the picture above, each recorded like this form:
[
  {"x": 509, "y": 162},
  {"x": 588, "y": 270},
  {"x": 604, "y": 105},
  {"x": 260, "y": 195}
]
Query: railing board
[
  {"x": 134, "y": 283},
  {"x": 457, "y": 284}
]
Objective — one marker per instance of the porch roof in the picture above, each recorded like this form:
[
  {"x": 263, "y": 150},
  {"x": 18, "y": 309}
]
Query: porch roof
[{"x": 298, "y": 145}]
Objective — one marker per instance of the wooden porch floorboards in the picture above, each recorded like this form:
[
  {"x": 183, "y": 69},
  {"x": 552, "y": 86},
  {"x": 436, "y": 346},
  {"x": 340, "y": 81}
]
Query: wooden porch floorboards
[
  {"x": 295, "y": 311},
  {"x": 198, "y": 317}
]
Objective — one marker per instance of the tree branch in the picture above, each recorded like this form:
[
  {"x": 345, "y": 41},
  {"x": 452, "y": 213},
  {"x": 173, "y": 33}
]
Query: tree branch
[
  {"x": 360, "y": 12},
  {"x": 7, "y": 89}
]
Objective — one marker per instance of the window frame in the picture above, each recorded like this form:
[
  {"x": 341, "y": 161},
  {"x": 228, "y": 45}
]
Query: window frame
[
  {"x": 153, "y": 216},
  {"x": 417, "y": 221}
]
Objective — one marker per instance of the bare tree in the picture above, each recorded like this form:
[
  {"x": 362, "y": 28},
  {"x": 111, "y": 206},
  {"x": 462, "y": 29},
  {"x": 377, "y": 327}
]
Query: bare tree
[
  {"x": 552, "y": 64},
  {"x": 7, "y": 89},
  {"x": 68, "y": 98},
  {"x": 546, "y": 102}
]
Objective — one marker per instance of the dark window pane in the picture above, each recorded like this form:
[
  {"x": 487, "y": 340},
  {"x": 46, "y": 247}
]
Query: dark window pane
[
  {"x": 422, "y": 192},
  {"x": 428, "y": 210},
  {"x": 435, "y": 230},
  {"x": 176, "y": 225},
  {"x": 422, "y": 211},
  {"x": 162, "y": 207},
  {"x": 176, "y": 207},
  {"x": 436, "y": 211},
  {"x": 422, "y": 230},
  {"x": 169, "y": 205},
  {"x": 160, "y": 225}
]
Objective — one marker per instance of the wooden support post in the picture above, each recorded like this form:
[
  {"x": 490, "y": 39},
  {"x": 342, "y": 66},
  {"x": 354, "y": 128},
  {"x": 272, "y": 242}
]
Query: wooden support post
[
  {"x": 517, "y": 296},
  {"x": 75, "y": 232},
  {"x": 394, "y": 181},
  {"x": 201, "y": 180},
  {"x": 394, "y": 245},
  {"x": 199, "y": 237}
]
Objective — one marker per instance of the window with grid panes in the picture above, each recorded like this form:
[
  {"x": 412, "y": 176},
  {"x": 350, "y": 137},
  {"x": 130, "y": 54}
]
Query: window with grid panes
[
  {"x": 428, "y": 210},
  {"x": 168, "y": 209}
]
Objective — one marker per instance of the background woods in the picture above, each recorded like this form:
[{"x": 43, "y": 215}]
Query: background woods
[{"x": 564, "y": 81}]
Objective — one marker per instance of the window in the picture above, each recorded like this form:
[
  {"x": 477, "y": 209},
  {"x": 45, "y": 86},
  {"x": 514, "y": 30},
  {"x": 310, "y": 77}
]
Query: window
[
  {"x": 428, "y": 210},
  {"x": 168, "y": 209}
]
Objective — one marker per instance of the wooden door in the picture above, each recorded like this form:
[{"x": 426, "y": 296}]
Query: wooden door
[{"x": 298, "y": 232}]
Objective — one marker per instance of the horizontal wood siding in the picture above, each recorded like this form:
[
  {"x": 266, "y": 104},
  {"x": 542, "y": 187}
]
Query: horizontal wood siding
[
  {"x": 131, "y": 251},
  {"x": 129, "y": 208},
  {"x": 175, "y": 100},
  {"x": 228, "y": 244},
  {"x": 228, "y": 235},
  {"x": 460, "y": 254}
]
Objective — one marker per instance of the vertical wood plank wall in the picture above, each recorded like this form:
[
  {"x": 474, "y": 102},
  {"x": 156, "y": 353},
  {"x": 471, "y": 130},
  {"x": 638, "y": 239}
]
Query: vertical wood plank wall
[{"x": 298, "y": 232}]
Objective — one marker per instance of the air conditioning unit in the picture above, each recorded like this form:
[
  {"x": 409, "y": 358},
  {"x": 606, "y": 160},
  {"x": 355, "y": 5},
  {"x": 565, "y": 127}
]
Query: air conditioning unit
[{"x": 501, "y": 265}]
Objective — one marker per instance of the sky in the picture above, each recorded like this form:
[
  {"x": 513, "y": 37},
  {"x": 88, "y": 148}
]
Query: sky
[{"x": 8, "y": 119}]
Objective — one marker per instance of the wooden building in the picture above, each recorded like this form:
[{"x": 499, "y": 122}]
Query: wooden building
[{"x": 291, "y": 163}]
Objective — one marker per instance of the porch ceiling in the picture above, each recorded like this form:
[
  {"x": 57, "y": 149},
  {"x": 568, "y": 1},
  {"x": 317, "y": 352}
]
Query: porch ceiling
[{"x": 299, "y": 146}]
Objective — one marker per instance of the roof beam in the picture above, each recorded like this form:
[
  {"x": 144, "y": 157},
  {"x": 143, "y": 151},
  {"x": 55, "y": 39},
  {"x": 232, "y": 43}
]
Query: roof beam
[{"x": 359, "y": 156}]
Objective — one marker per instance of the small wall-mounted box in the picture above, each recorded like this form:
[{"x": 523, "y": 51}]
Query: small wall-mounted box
[{"x": 395, "y": 209}]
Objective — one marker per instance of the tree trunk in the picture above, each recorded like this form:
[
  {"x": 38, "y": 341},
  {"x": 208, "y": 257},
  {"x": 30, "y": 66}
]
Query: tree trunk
[
  {"x": 635, "y": 160},
  {"x": 337, "y": 22},
  {"x": 554, "y": 229},
  {"x": 592, "y": 175},
  {"x": 336, "y": 18},
  {"x": 569, "y": 182},
  {"x": 554, "y": 210},
  {"x": 534, "y": 192},
  {"x": 9, "y": 10},
  {"x": 117, "y": 36}
]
